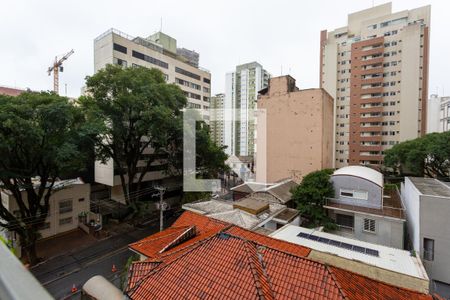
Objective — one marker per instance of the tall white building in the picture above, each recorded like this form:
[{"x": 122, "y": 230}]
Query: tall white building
[
  {"x": 179, "y": 66},
  {"x": 438, "y": 118},
  {"x": 241, "y": 92}
]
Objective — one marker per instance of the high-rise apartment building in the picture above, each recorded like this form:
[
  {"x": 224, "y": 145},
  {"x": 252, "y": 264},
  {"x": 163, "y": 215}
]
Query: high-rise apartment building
[
  {"x": 438, "y": 119},
  {"x": 217, "y": 119},
  {"x": 241, "y": 92},
  {"x": 376, "y": 69},
  {"x": 156, "y": 51}
]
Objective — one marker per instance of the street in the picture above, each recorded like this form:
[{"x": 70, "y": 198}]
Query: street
[{"x": 60, "y": 273}]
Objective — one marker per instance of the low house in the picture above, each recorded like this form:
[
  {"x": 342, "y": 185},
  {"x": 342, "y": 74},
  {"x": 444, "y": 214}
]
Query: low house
[
  {"x": 69, "y": 200},
  {"x": 363, "y": 209},
  {"x": 254, "y": 212},
  {"x": 279, "y": 191},
  {"x": 378, "y": 262},
  {"x": 427, "y": 203},
  {"x": 200, "y": 257}
]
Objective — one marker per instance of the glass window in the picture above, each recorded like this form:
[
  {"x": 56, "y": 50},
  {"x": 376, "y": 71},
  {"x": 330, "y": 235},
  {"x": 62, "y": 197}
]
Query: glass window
[
  {"x": 65, "y": 221},
  {"x": 65, "y": 206},
  {"x": 120, "y": 48},
  {"x": 428, "y": 249},
  {"x": 345, "y": 220}
]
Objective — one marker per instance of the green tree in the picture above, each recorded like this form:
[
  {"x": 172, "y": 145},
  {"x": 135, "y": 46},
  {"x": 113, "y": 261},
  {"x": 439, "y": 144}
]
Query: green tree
[
  {"x": 42, "y": 137},
  {"x": 136, "y": 110},
  {"x": 428, "y": 155},
  {"x": 310, "y": 197}
]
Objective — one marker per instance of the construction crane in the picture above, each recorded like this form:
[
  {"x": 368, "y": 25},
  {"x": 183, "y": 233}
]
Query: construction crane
[{"x": 56, "y": 68}]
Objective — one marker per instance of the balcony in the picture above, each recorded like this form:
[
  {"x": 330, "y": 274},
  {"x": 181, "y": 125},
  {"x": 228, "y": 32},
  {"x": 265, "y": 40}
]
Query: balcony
[{"x": 391, "y": 208}]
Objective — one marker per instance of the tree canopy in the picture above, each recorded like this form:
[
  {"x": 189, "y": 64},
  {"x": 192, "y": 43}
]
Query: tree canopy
[
  {"x": 310, "y": 197},
  {"x": 42, "y": 137},
  {"x": 140, "y": 117},
  {"x": 424, "y": 156}
]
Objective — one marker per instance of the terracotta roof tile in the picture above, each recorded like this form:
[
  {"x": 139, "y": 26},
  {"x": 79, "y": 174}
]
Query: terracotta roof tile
[
  {"x": 228, "y": 262},
  {"x": 361, "y": 287}
]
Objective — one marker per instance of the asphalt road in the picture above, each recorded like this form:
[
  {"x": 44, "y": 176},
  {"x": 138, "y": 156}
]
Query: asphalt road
[{"x": 60, "y": 273}]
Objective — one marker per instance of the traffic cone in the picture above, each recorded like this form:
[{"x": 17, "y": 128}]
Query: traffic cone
[
  {"x": 113, "y": 269},
  {"x": 74, "y": 289}
]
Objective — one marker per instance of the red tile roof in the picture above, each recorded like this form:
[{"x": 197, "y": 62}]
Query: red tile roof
[
  {"x": 360, "y": 287},
  {"x": 228, "y": 262}
]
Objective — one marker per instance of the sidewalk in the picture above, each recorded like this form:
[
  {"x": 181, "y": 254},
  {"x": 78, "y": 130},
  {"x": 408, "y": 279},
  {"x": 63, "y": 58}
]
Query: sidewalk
[{"x": 64, "y": 243}]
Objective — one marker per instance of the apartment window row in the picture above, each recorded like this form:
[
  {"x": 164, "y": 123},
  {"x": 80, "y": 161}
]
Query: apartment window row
[
  {"x": 194, "y": 105},
  {"x": 150, "y": 59},
  {"x": 188, "y": 84},
  {"x": 187, "y": 73},
  {"x": 120, "y": 48},
  {"x": 192, "y": 95},
  {"x": 390, "y": 44},
  {"x": 392, "y": 63},
  {"x": 394, "y": 22},
  {"x": 389, "y": 33}
]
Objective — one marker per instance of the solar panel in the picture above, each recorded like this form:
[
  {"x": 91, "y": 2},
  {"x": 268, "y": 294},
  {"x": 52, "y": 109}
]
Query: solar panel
[{"x": 339, "y": 244}]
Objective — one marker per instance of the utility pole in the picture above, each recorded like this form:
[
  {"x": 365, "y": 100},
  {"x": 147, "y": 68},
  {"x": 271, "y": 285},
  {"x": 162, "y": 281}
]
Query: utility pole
[{"x": 161, "y": 190}]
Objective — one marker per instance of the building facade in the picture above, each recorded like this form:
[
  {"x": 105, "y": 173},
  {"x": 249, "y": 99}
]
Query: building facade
[
  {"x": 295, "y": 133},
  {"x": 438, "y": 119},
  {"x": 241, "y": 92},
  {"x": 68, "y": 200},
  {"x": 156, "y": 51},
  {"x": 363, "y": 209},
  {"x": 427, "y": 203},
  {"x": 376, "y": 69},
  {"x": 217, "y": 119}
]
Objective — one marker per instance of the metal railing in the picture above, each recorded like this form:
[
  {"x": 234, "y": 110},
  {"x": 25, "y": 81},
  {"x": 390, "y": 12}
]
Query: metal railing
[{"x": 379, "y": 210}]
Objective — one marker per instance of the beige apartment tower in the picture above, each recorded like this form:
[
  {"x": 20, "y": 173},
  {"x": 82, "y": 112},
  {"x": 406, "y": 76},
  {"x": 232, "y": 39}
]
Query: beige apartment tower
[
  {"x": 294, "y": 131},
  {"x": 376, "y": 69}
]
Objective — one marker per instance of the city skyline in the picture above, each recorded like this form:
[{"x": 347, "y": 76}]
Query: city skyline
[{"x": 291, "y": 49}]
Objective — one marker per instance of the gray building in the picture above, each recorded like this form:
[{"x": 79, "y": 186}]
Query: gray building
[
  {"x": 363, "y": 209},
  {"x": 427, "y": 203}
]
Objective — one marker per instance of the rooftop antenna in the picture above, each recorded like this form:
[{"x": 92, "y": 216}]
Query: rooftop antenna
[
  {"x": 160, "y": 28},
  {"x": 281, "y": 70},
  {"x": 373, "y": 3}
]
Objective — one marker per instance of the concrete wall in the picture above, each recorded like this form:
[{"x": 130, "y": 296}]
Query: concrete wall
[
  {"x": 411, "y": 199},
  {"x": 295, "y": 131},
  {"x": 435, "y": 224},
  {"x": 375, "y": 192},
  {"x": 388, "y": 232},
  {"x": 387, "y": 276}
]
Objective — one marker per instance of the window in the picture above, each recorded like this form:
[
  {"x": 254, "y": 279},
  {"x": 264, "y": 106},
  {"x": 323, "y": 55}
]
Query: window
[
  {"x": 187, "y": 73},
  {"x": 354, "y": 194},
  {"x": 206, "y": 80},
  {"x": 120, "y": 62},
  {"x": 150, "y": 59},
  {"x": 345, "y": 220},
  {"x": 369, "y": 225},
  {"x": 205, "y": 89},
  {"x": 65, "y": 221},
  {"x": 120, "y": 48},
  {"x": 428, "y": 249},
  {"x": 44, "y": 226},
  {"x": 80, "y": 199},
  {"x": 65, "y": 206}
]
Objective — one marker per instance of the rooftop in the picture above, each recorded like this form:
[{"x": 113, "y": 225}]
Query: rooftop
[
  {"x": 10, "y": 91},
  {"x": 431, "y": 186},
  {"x": 388, "y": 258},
  {"x": 234, "y": 263},
  {"x": 280, "y": 190},
  {"x": 362, "y": 172}
]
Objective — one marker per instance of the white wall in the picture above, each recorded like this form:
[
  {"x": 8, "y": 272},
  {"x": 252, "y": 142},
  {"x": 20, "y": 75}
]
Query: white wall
[{"x": 411, "y": 199}]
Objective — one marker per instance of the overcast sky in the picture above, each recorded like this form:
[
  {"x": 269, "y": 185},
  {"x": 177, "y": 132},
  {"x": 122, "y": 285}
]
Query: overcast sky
[{"x": 281, "y": 35}]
